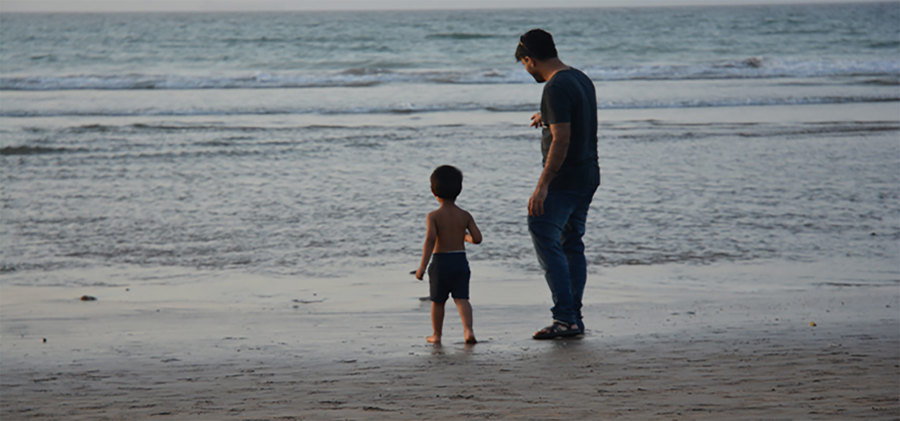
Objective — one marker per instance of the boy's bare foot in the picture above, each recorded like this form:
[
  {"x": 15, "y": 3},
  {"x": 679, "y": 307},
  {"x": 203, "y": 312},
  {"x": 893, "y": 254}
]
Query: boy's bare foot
[
  {"x": 433, "y": 339},
  {"x": 471, "y": 340}
]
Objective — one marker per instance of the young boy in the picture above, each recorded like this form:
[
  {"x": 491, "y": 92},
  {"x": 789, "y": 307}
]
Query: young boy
[{"x": 445, "y": 237}]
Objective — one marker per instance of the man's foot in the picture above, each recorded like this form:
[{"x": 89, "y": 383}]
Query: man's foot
[
  {"x": 434, "y": 339},
  {"x": 471, "y": 340},
  {"x": 558, "y": 330}
]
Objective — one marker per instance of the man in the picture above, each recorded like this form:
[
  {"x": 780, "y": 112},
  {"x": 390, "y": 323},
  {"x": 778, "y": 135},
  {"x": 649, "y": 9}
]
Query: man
[{"x": 557, "y": 210}]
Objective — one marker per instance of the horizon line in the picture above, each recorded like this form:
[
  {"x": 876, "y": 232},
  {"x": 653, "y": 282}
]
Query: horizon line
[{"x": 624, "y": 5}]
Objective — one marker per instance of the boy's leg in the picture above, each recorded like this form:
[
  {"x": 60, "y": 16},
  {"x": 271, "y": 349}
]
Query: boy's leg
[
  {"x": 465, "y": 313},
  {"x": 437, "y": 322}
]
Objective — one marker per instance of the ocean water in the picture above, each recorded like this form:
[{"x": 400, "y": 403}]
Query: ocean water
[{"x": 300, "y": 144}]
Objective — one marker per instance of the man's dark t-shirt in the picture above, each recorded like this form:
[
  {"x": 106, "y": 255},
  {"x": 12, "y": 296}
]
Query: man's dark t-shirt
[{"x": 569, "y": 97}]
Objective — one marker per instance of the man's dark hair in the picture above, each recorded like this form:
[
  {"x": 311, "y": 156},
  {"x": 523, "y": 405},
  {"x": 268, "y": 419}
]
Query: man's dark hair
[
  {"x": 446, "y": 182},
  {"x": 537, "y": 44}
]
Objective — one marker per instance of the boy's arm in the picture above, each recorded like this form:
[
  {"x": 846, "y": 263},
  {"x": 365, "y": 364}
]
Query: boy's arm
[
  {"x": 428, "y": 247},
  {"x": 474, "y": 235}
]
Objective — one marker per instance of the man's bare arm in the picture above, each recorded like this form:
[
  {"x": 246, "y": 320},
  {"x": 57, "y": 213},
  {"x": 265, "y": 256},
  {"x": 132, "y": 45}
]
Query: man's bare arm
[{"x": 559, "y": 147}]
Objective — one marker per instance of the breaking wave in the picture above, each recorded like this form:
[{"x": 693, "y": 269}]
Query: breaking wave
[{"x": 752, "y": 67}]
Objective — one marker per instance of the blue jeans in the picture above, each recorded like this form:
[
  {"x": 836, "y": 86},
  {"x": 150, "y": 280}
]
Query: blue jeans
[{"x": 560, "y": 251}]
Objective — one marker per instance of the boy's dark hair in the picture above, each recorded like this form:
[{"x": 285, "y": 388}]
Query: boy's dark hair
[
  {"x": 537, "y": 44},
  {"x": 446, "y": 182}
]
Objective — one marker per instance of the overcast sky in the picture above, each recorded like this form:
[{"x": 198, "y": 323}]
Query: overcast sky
[{"x": 249, "y": 5}]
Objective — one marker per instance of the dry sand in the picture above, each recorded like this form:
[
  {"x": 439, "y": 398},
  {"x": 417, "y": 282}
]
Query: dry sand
[{"x": 245, "y": 349}]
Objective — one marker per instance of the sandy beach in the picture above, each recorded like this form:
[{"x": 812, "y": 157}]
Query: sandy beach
[
  {"x": 214, "y": 216},
  {"x": 659, "y": 345}
]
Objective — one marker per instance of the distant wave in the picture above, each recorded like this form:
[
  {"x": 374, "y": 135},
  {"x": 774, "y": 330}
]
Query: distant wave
[
  {"x": 456, "y": 107},
  {"x": 29, "y": 150},
  {"x": 751, "y": 67},
  {"x": 894, "y": 81},
  {"x": 366, "y": 71},
  {"x": 352, "y": 77},
  {"x": 748, "y": 68},
  {"x": 885, "y": 44},
  {"x": 461, "y": 36}
]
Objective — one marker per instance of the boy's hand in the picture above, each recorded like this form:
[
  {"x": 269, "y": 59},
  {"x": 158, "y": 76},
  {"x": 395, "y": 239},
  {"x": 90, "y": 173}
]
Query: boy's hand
[
  {"x": 420, "y": 273},
  {"x": 536, "y": 120}
]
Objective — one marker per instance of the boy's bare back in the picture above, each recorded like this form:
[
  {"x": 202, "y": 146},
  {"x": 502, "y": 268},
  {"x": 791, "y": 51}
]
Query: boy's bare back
[{"x": 452, "y": 227}]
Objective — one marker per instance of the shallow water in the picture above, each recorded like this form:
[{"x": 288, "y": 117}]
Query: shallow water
[
  {"x": 243, "y": 148},
  {"x": 320, "y": 200}
]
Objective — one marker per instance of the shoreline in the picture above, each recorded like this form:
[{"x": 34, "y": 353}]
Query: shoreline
[{"x": 237, "y": 348}]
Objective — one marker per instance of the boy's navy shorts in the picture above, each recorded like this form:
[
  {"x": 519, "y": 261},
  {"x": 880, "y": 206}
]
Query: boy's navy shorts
[{"x": 448, "y": 274}]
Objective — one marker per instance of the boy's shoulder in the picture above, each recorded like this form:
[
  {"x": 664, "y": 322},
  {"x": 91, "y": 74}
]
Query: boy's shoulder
[{"x": 449, "y": 211}]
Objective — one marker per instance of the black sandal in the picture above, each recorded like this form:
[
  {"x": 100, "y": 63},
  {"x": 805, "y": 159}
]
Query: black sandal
[{"x": 557, "y": 330}]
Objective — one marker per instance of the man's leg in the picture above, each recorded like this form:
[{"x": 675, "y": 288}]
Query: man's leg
[
  {"x": 573, "y": 247},
  {"x": 546, "y": 232}
]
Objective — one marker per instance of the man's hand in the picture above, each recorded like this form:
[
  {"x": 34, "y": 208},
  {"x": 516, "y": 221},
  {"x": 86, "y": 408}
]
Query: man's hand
[
  {"x": 536, "y": 120},
  {"x": 536, "y": 202},
  {"x": 420, "y": 273}
]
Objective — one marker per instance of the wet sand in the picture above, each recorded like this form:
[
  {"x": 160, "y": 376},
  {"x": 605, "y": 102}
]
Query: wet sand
[{"x": 241, "y": 349}]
